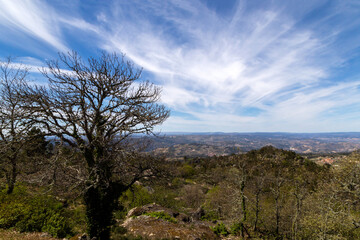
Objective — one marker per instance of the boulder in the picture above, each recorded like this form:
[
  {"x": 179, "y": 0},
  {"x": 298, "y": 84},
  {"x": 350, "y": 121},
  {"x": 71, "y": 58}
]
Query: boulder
[
  {"x": 138, "y": 224},
  {"x": 152, "y": 228}
]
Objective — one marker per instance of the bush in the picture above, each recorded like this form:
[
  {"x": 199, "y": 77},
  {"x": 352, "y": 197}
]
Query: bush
[
  {"x": 187, "y": 171},
  {"x": 36, "y": 213},
  {"x": 220, "y": 229},
  {"x": 235, "y": 229},
  {"x": 135, "y": 197},
  {"x": 57, "y": 225},
  {"x": 168, "y": 198},
  {"x": 210, "y": 216},
  {"x": 161, "y": 215}
]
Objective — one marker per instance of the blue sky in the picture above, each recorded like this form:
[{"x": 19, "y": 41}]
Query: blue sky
[{"x": 224, "y": 65}]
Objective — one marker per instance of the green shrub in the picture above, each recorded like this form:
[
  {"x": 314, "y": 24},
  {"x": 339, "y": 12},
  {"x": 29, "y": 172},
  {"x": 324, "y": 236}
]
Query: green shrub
[
  {"x": 135, "y": 197},
  {"x": 57, "y": 225},
  {"x": 177, "y": 182},
  {"x": 161, "y": 215},
  {"x": 139, "y": 196},
  {"x": 210, "y": 216},
  {"x": 36, "y": 213},
  {"x": 235, "y": 229},
  {"x": 187, "y": 171},
  {"x": 167, "y": 198},
  {"x": 220, "y": 229}
]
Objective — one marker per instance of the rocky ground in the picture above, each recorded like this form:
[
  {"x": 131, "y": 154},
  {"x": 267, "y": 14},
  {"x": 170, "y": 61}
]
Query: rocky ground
[{"x": 139, "y": 222}]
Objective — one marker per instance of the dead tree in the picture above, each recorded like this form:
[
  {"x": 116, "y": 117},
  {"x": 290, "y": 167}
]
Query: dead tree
[
  {"x": 14, "y": 123},
  {"x": 94, "y": 106}
]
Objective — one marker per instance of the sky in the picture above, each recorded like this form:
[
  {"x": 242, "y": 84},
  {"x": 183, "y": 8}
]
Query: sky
[{"x": 223, "y": 65}]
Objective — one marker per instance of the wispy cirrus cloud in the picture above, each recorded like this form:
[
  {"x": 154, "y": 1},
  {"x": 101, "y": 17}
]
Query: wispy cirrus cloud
[
  {"x": 259, "y": 58},
  {"x": 24, "y": 20},
  {"x": 35, "y": 18},
  {"x": 253, "y": 66}
]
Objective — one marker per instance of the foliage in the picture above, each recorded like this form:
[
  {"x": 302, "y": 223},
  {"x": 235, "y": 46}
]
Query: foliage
[
  {"x": 235, "y": 228},
  {"x": 167, "y": 197},
  {"x": 138, "y": 196},
  {"x": 187, "y": 171},
  {"x": 135, "y": 196},
  {"x": 161, "y": 215},
  {"x": 220, "y": 229},
  {"x": 216, "y": 203},
  {"x": 286, "y": 196},
  {"x": 27, "y": 213}
]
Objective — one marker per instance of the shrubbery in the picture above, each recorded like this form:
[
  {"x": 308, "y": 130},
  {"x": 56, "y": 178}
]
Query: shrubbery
[
  {"x": 161, "y": 215},
  {"x": 220, "y": 229},
  {"x": 139, "y": 196},
  {"x": 38, "y": 213},
  {"x": 235, "y": 229}
]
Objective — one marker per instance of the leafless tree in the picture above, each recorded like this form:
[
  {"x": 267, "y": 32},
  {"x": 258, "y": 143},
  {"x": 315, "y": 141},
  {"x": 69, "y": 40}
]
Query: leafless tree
[
  {"x": 14, "y": 123},
  {"x": 94, "y": 106}
]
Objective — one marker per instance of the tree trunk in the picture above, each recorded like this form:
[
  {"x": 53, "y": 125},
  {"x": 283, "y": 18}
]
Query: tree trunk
[
  {"x": 298, "y": 205},
  {"x": 100, "y": 204},
  {"x": 257, "y": 209},
  {"x": 11, "y": 179},
  {"x": 101, "y": 196},
  {"x": 277, "y": 198},
  {"x": 277, "y": 212},
  {"x": 243, "y": 206}
]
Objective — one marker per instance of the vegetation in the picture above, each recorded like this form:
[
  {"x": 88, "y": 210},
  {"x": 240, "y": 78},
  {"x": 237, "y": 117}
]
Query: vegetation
[
  {"x": 265, "y": 193},
  {"x": 161, "y": 215},
  {"x": 220, "y": 229},
  {"x": 39, "y": 213}
]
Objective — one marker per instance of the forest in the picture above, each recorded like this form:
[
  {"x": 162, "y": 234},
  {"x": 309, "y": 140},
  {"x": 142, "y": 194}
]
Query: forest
[
  {"x": 264, "y": 194},
  {"x": 70, "y": 164}
]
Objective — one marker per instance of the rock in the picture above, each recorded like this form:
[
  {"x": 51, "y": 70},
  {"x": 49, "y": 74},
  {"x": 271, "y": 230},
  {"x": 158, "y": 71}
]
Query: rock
[
  {"x": 83, "y": 237},
  {"x": 152, "y": 207},
  {"x": 153, "y": 228},
  {"x": 45, "y": 235}
]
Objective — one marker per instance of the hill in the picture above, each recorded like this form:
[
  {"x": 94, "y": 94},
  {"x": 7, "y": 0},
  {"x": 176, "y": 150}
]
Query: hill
[{"x": 180, "y": 145}]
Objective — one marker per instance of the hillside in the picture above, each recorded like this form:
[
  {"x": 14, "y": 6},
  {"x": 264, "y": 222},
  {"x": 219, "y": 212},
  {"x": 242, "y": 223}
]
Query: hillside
[
  {"x": 178, "y": 146},
  {"x": 267, "y": 193}
]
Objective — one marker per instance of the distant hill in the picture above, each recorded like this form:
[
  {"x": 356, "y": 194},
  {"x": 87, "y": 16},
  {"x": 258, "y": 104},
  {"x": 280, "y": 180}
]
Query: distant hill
[{"x": 180, "y": 145}]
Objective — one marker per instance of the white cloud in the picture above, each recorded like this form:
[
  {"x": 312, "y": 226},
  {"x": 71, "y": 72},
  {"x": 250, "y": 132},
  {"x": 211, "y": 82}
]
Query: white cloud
[
  {"x": 249, "y": 59},
  {"x": 33, "y": 17},
  {"x": 273, "y": 58}
]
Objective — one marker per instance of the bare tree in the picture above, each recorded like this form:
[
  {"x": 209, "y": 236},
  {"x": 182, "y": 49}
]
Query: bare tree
[
  {"x": 94, "y": 106},
  {"x": 241, "y": 181},
  {"x": 14, "y": 123}
]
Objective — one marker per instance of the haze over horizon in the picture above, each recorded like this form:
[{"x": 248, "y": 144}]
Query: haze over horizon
[{"x": 224, "y": 66}]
